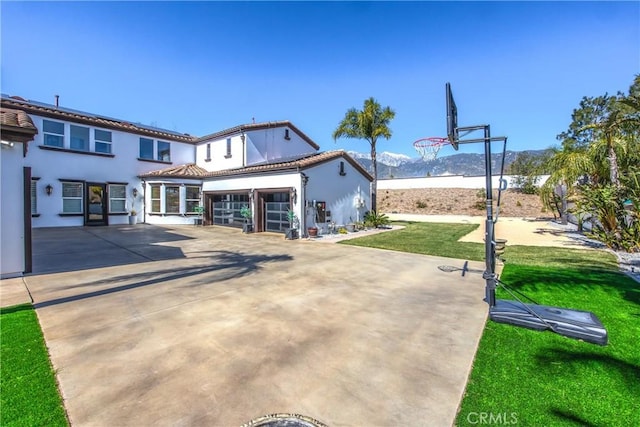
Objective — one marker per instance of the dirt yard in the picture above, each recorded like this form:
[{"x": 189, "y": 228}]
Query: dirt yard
[{"x": 458, "y": 201}]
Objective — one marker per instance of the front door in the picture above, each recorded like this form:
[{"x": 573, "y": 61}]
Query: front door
[{"x": 96, "y": 204}]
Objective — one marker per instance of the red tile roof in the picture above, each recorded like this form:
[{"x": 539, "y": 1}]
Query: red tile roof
[
  {"x": 190, "y": 170},
  {"x": 193, "y": 171},
  {"x": 16, "y": 125},
  {"x": 51, "y": 111}
]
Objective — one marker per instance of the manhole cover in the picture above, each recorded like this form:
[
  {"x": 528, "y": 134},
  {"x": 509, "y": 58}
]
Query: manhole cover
[{"x": 284, "y": 420}]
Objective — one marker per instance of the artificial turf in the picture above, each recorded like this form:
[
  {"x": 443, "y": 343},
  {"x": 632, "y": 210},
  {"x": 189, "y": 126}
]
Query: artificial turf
[
  {"x": 28, "y": 392},
  {"x": 529, "y": 378}
]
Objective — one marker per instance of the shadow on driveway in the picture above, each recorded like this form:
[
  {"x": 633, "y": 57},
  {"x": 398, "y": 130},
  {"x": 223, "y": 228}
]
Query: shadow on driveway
[
  {"x": 227, "y": 265},
  {"x": 64, "y": 249}
]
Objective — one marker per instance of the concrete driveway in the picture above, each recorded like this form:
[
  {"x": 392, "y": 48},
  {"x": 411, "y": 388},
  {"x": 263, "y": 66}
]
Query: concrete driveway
[{"x": 183, "y": 325}]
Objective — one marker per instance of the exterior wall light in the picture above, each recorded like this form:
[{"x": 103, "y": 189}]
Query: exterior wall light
[
  {"x": 48, "y": 189},
  {"x": 135, "y": 192}
]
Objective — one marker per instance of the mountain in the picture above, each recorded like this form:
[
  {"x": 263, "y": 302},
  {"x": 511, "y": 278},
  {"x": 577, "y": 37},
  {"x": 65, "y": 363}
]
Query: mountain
[
  {"x": 385, "y": 158},
  {"x": 391, "y": 165}
]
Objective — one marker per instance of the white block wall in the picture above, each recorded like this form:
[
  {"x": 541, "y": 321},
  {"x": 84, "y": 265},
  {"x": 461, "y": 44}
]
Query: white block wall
[{"x": 450, "y": 181}]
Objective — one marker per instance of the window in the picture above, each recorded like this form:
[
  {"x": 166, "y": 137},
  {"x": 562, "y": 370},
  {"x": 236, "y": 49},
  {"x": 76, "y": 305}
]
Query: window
[
  {"x": 117, "y": 198},
  {"x": 286, "y": 134},
  {"x": 146, "y": 148},
  {"x": 103, "y": 141},
  {"x": 155, "y": 198},
  {"x": 79, "y": 138},
  {"x": 192, "y": 199},
  {"x": 72, "y": 197},
  {"x": 228, "y": 148},
  {"x": 164, "y": 151},
  {"x": 34, "y": 197},
  {"x": 208, "y": 158},
  {"x": 53, "y": 133},
  {"x": 172, "y": 199}
]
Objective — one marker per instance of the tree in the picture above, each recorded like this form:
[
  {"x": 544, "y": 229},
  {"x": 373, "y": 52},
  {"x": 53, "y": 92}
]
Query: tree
[
  {"x": 526, "y": 170},
  {"x": 599, "y": 164},
  {"x": 370, "y": 123}
]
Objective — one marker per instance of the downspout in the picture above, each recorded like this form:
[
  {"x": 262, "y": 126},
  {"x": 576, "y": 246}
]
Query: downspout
[
  {"x": 144, "y": 201},
  {"x": 303, "y": 199},
  {"x": 244, "y": 148}
]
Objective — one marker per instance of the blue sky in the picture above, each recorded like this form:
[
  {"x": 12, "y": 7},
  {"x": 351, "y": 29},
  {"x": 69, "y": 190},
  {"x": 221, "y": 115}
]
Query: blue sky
[{"x": 200, "y": 67}]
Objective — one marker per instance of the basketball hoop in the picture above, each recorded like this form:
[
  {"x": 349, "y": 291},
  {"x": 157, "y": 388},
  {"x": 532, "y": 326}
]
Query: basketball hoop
[{"x": 428, "y": 148}]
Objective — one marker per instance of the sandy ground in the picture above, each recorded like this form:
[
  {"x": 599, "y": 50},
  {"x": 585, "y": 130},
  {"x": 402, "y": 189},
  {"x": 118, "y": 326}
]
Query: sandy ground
[{"x": 459, "y": 201}]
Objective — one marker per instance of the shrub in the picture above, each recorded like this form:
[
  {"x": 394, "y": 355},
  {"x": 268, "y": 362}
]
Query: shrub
[
  {"x": 375, "y": 220},
  {"x": 420, "y": 204}
]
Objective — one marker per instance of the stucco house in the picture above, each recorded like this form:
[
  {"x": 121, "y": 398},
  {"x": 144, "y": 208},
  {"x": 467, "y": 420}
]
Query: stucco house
[{"x": 88, "y": 169}]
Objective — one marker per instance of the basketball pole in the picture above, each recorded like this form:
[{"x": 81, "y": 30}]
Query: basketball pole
[
  {"x": 489, "y": 234},
  {"x": 489, "y": 237}
]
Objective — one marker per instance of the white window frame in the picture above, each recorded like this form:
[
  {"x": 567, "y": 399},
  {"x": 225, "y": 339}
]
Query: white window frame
[
  {"x": 81, "y": 197},
  {"x": 45, "y": 133},
  {"x": 160, "y": 159},
  {"x": 152, "y": 199},
  {"x": 166, "y": 203},
  {"x": 187, "y": 201},
  {"x": 152, "y": 157},
  {"x": 112, "y": 198},
  {"x": 87, "y": 140},
  {"x": 102, "y": 141}
]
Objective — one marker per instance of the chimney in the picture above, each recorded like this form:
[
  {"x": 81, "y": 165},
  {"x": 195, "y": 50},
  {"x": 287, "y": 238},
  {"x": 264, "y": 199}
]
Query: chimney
[{"x": 57, "y": 100}]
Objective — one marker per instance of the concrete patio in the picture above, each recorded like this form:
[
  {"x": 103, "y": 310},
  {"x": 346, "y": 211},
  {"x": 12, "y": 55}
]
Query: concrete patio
[{"x": 206, "y": 326}]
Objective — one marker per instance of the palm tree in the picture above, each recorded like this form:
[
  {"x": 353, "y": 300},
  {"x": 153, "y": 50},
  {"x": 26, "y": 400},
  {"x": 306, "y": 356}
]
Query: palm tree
[{"x": 370, "y": 123}]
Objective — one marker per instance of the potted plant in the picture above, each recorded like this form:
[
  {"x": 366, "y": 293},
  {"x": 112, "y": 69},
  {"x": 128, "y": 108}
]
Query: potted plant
[
  {"x": 313, "y": 231},
  {"x": 291, "y": 233},
  {"x": 133, "y": 217},
  {"x": 245, "y": 212}
]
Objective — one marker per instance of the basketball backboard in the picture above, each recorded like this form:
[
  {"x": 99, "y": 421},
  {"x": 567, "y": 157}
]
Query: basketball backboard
[{"x": 452, "y": 118}]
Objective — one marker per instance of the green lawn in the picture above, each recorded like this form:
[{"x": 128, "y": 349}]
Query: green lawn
[
  {"x": 534, "y": 378},
  {"x": 425, "y": 238},
  {"x": 28, "y": 392}
]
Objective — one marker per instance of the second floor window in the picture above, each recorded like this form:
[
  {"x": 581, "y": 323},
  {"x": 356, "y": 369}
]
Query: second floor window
[
  {"x": 146, "y": 148},
  {"x": 53, "y": 133},
  {"x": 79, "y": 138},
  {"x": 228, "y": 148},
  {"x": 103, "y": 141},
  {"x": 164, "y": 151}
]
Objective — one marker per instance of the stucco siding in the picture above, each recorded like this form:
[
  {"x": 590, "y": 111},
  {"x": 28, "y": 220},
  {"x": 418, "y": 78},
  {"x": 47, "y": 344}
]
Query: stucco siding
[
  {"x": 11, "y": 212},
  {"x": 270, "y": 144},
  {"x": 52, "y": 166},
  {"x": 340, "y": 192},
  {"x": 218, "y": 158}
]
